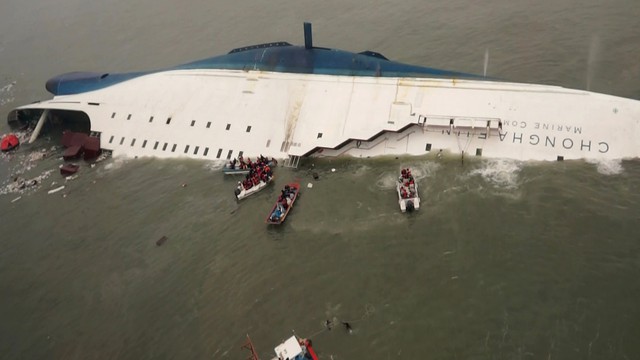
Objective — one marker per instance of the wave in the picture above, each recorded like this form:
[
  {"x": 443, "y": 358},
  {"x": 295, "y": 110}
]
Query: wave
[
  {"x": 608, "y": 167},
  {"x": 503, "y": 173}
]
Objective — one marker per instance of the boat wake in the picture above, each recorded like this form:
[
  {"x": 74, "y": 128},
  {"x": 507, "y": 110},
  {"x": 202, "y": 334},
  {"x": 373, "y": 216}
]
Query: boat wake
[
  {"x": 386, "y": 181},
  {"x": 424, "y": 169}
]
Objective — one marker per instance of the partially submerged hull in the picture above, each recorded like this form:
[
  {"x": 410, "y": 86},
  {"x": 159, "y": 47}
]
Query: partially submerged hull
[{"x": 243, "y": 103}]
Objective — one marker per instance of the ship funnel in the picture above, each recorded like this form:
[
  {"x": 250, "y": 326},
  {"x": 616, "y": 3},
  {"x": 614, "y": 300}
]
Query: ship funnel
[{"x": 308, "y": 37}]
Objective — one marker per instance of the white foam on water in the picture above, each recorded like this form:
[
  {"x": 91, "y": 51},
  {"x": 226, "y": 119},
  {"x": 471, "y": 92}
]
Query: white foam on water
[
  {"x": 361, "y": 170},
  {"x": 115, "y": 163},
  {"x": 422, "y": 169},
  {"x": 608, "y": 167},
  {"x": 387, "y": 181},
  {"x": 502, "y": 173},
  {"x": 214, "y": 165},
  {"x": 6, "y": 93}
]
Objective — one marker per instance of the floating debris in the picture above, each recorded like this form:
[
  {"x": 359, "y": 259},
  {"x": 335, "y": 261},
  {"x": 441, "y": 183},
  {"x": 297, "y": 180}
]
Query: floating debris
[
  {"x": 16, "y": 199},
  {"x": 161, "y": 241},
  {"x": 56, "y": 189},
  {"x": 347, "y": 327}
]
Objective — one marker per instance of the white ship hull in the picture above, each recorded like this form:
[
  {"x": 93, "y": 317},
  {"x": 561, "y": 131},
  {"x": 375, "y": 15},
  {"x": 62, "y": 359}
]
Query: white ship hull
[{"x": 219, "y": 113}]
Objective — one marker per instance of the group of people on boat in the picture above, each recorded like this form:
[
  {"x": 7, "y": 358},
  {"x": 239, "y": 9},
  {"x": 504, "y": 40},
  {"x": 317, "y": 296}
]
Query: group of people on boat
[
  {"x": 240, "y": 164},
  {"x": 258, "y": 171},
  {"x": 285, "y": 199},
  {"x": 407, "y": 184}
]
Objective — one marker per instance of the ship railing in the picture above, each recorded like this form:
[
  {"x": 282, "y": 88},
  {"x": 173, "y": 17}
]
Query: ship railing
[
  {"x": 248, "y": 345},
  {"x": 438, "y": 122},
  {"x": 292, "y": 161}
]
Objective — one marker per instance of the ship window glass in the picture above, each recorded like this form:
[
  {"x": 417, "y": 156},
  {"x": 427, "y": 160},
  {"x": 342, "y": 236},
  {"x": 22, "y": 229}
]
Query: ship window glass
[
  {"x": 186, "y": 148},
  {"x": 151, "y": 119},
  {"x": 195, "y": 152},
  {"x": 133, "y": 142},
  {"x": 228, "y": 126},
  {"x": 240, "y": 154},
  {"x": 428, "y": 147},
  {"x": 111, "y": 139},
  {"x": 156, "y": 145},
  {"x": 206, "y": 151},
  {"x": 144, "y": 144},
  {"x": 209, "y": 124},
  {"x": 129, "y": 117},
  {"x": 164, "y": 147},
  {"x": 229, "y": 154},
  {"x": 219, "y": 153},
  {"x": 193, "y": 122},
  {"x": 122, "y": 140},
  {"x": 249, "y": 128},
  {"x": 268, "y": 142},
  {"x": 168, "y": 121},
  {"x": 113, "y": 115},
  {"x": 173, "y": 149},
  {"x": 319, "y": 135},
  {"x": 478, "y": 152}
]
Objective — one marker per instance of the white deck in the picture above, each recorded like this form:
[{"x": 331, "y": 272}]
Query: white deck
[
  {"x": 218, "y": 113},
  {"x": 288, "y": 349}
]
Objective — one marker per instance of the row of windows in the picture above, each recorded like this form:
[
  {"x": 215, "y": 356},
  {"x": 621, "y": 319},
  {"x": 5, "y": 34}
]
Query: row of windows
[
  {"x": 196, "y": 149},
  {"x": 193, "y": 122}
]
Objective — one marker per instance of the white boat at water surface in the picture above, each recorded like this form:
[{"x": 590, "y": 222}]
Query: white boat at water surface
[{"x": 289, "y": 102}]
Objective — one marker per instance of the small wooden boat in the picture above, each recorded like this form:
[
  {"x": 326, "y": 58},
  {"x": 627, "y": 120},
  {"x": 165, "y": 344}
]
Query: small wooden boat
[
  {"x": 279, "y": 212},
  {"x": 242, "y": 193},
  {"x": 294, "y": 348},
  {"x": 407, "y": 190}
]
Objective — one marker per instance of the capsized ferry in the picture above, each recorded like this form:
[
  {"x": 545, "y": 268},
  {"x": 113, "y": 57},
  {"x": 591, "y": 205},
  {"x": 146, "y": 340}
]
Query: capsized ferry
[{"x": 288, "y": 102}]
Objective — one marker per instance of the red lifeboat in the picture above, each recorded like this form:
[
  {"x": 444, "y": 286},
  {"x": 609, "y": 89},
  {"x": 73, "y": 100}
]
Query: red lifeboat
[{"x": 9, "y": 142}]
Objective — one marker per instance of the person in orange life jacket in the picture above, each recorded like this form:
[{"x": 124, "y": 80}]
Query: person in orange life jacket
[{"x": 283, "y": 202}]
